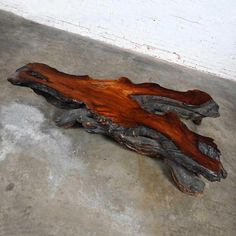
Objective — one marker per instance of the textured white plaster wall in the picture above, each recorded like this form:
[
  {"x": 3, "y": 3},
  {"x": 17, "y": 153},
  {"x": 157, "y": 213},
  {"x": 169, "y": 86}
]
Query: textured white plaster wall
[{"x": 195, "y": 33}]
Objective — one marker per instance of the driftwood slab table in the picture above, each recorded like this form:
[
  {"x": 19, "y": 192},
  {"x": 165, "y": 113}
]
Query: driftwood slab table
[{"x": 143, "y": 117}]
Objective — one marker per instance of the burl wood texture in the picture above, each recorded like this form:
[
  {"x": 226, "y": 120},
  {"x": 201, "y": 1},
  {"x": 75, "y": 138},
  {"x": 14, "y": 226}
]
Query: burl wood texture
[{"x": 127, "y": 105}]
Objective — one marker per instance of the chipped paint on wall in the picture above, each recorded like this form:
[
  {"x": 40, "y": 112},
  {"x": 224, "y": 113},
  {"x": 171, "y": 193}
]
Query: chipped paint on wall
[{"x": 197, "y": 34}]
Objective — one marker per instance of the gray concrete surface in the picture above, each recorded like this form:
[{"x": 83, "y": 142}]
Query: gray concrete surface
[{"x": 68, "y": 182}]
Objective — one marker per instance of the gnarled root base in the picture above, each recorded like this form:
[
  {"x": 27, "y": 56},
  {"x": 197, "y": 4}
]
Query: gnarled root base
[{"x": 185, "y": 172}]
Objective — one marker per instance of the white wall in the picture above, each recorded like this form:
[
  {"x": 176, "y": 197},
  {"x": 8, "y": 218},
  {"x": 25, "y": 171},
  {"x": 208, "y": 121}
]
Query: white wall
[{"x": 195, "y": 33}]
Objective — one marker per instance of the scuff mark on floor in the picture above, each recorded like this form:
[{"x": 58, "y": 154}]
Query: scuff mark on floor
[{"x": 23, "y": 131}]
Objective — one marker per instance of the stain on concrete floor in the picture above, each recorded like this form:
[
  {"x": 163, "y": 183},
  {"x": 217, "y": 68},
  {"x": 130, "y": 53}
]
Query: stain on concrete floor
[{"x": 68, "y": 182}]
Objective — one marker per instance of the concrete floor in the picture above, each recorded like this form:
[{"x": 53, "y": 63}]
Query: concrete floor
[{"x": 68, "y": 182}]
